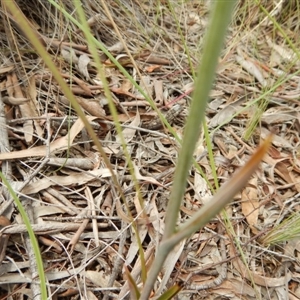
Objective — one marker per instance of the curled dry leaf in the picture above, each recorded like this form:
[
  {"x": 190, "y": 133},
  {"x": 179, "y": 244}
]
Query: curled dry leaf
[
  {"x": 285, "y": 53},
  {"x": 82, "y": 63},
  {"x": 226, "y": 114},
  {"x": 69, "y": 56},
  {"x": 116, "y": 48},
  {"x": 251, "y": 68},
  {"x": 147, "y": 179}
]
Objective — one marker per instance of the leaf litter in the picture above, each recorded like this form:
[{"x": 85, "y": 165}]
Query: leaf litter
[{"x": 85, "y": 232}]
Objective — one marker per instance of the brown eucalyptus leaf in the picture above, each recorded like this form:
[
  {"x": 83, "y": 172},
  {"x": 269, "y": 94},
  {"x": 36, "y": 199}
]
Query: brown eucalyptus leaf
[
  {"x": 82, "y": 63},
  {"x": 58, "y": 145},
  {"x": 250, "y": 203}
]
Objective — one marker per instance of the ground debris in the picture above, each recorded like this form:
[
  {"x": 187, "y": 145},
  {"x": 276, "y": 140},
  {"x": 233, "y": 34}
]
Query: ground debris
[{"x": 76, "y": 200}]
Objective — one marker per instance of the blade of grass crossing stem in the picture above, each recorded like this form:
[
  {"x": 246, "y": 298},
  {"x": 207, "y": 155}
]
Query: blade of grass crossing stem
[
  {"x": 212, "y": 208},
  {"x": 223, "y": 196},
  {"x": 32, "y": 236},
  {"x": 207, "y": 212},
  {"x": 214, "y": 38}
]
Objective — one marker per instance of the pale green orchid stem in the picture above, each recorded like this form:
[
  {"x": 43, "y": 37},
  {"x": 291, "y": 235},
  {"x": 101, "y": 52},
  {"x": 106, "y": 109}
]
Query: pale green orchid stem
[{"x": 219, "y": 20}]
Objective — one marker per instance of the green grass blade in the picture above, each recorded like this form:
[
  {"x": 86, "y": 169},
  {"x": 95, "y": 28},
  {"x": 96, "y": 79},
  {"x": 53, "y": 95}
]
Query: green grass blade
[
  {"x": 206, "y": 72},
  {"x": 214, "y": 39},
  {"x": 34, "y": 242},
  {"x": 170, "y": 293}
]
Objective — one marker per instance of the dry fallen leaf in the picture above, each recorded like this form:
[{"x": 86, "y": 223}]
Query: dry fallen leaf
[
  {"x": 82, "y": 63},
  {"x": 58, "y": 145},
  {"x": 250, "y": 203},
  {"x": 72, "y": 179}
]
